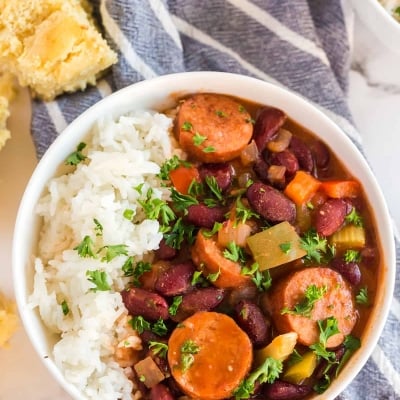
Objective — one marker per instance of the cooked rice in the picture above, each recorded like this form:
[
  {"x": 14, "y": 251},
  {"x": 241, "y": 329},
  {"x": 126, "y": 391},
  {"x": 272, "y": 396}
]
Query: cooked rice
[{"x": 120, "y": 156}]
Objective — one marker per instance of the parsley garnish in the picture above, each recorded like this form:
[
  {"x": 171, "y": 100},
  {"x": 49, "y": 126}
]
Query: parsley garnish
[
  {"x": 352, "y": 256},
  {"x": 214, "y": 187},
  {"x": 285, "y": 247},
  {"x": 234, "y": 253},
  {"x": 327, "y": 328},
  {"x": 113, "y": 251},
  {"x": 188, "y": 348},
  {"x": 214, "y": 277},
  {"x": 98, "y": 229},
  {"x": 362, "y": 297},
  {"x": 267, "y": 372},
  {"x": 129, "y": 214},
  {"x": 354, "y": 218},
  {"x": 64, "y": 307},
  {"x": 182, "y": 201},
  {"x": 77, "y": 156},
  {"x": 99, "y": 279},
  {"x": 317, "y": 247},
  {"x": 209, "y": 149},
  {"x": 198, "y": 279},
  {"x": 187, "y": 126},
  {"x": 180, "y": 231},
  {"x": 262, "y": 279},
  {"x": 139, "y": 324},
  {"x": 158, "y": 348},
  {"x": 216, "y": 227},
  {"x": 351, "y": 344},
  {"x": 159, "y": 327},
  {"x": 85, "y": 248},
  {"x": 220, "y": 113},
  {"x": 311, "y": 296},
  {"x": 244, "y": 213},
  {"x": 169, "y": 165},
  {"x": 176, "y": 302},
  {"x": 155, "y": 208},
  {"x": 137, "y": 270},
  {"x": 198, "y": 139}
]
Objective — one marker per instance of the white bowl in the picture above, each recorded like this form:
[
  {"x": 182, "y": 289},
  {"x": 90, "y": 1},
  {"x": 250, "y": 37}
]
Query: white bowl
[
  {"x": 157, "y": 94},
  {"x": 379, "y": 21}
]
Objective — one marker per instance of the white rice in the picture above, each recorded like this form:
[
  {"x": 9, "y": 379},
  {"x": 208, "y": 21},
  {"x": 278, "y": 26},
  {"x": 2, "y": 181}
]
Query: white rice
[{"x": 120, "y": 156}]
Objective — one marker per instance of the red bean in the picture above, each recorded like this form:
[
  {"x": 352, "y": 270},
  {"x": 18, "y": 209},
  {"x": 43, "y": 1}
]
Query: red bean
[
  {"x": 160, "y": 392},
  {"x": 251, "y": 320},
  {"x": 267, "y": 125},
  {"x": 260, "y": 167},
  {"x": 287, "y": 159},
  {"x": 222, "y": 172},
  {"x": 270, "y": 203},
  {"x": 175, "y": 280},
  {"x": 149, "y": 305},
  {"x": 321, "y": 154},
  {"x": 165, "y": 252},
  {"x": 330, "y": 216},
  {"x": 204, "y": 217},
  {"x": 204, "y": 299},
  {"x": 280, "y": 390},
  {"x": 349, "y": 270},
  {"x": 302, "y": 153}
]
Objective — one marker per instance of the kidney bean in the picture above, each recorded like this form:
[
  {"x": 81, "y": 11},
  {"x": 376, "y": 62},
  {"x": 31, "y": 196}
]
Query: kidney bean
[
  {"x": 321, "y": 368},
  {"x": 241, "y": 293},
  {"x": 204, "y": 217},
  {"x": 251, "y": 320},
  {"x": 149, "y": 305},
  {"x": 302, "y": 153},
  {"x": 287, "y": 159},
  {"x": 321, "y": 154},
  {"x": 270, "y": 203},
  {"x": 280, "y": 390},
  {"x": 204, "y": 299},
  {"x": 165, "y": 252},
  {"x": 148, "y": 336},
  {"x": 267, "y": 125},
  {"x": 260, "y": 167},
  {"x": 175, "y": 280},
  {"x": 160, "y": 392},
  {"x": 349, "y": 270},
  {"x": 222, "y": 172},
  {"x": 330, "y": 216}
]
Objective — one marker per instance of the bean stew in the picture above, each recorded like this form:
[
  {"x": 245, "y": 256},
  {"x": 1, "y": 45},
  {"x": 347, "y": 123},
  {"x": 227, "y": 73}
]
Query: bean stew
[{"x": 266, "y": 274}]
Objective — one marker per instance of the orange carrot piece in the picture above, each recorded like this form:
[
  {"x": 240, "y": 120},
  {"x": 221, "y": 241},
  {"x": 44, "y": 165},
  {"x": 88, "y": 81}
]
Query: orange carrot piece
[
  {"x": 338, "y": 189},
  {"x": 302, "y": 187},
  {"x": 182, "y": 178}
]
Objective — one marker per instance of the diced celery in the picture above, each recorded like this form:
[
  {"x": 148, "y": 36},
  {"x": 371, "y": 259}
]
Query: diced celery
[
  {"x": 275, "y": 246},
  {"x": 303, "y": 369},
  {"x": 280, "y": 348},
  {"x": 350, "y": 236}
]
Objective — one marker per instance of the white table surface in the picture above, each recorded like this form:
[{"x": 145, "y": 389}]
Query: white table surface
[{"x": 374, "y": 99}]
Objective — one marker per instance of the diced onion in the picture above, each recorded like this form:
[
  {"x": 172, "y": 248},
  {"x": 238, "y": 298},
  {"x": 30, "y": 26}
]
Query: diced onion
[
  {"x": 250, "y": 154},
  {"x": 232, "y": 231},
  {"x": 281, "y": 142}
]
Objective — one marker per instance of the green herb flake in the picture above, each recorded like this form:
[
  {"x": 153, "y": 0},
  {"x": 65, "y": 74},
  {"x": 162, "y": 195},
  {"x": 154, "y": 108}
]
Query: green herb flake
[
  {"x": 99, "y": 279},
  {"x": 220, "y": 114},
  {"x": 113, "y": 251},
  {"x": 209, "y": 149},
  {"x": 262, "y": 279},
  {"x": 182, "y": 201},
  {"x": 170, "y": 165},
  {"x": 352, "y": 256},
  {"x": 176, "y": 302},
  {"x": 85, "y": 248},
  {"x": 139, "y": 324},
  {"x": 214, "y": 277},
  {"x": 234, "y": 253},
  {"x": 98, "y": 228},
  {"x": 187, "y": 126},
  {"x": 327, "y": 327},
  {"x": 128, "y": 214},
  {"x": 285, "y": 247},
  {"x": 155, "y": 208},
  {"x": 180, "y": 231},
  {"x": 317, "y": 247},
  {"x": 158, "y": 348},
  {"x": 216, "y": 227},
  {"x": 77, "y": 156},
  {"x": 212, "y": 184},
  {"x": 159, "y": 328},
  {"x": 354, "y": 218},
  {"x": 64, "y": 307},
  {"x": 244, "y": 213},
  {"x": 188, "y": 349},
  {"x": 362, "y": 297},
  {"x": 198, "y": 139}
]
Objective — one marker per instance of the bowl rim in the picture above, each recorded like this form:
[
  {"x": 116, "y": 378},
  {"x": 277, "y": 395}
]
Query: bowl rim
[{"x": 74, "y": 131}]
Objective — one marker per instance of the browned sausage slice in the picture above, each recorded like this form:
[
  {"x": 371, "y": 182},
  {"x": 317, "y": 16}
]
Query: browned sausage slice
[
  {"x": 209, "y": 258},
  {"x": 336, "y": 302},
  {"x": 209, "y": 355},
  {"x": 213, "y": 127}
]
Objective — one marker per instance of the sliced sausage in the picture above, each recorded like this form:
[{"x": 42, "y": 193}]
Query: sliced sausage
[
  {"x": 213, "y": 127},
  {"x": 220, "y": 359},
  {"x": 267, "y": 125},
  {"x": 270, "y": 203},
  {"x": 175, "y": 280},
  {"x": 209, "y": 258},
  {"x": 330, "y": 216},
  {"x": 142, "y": 302},
  {"x": 336, "y": 302}
]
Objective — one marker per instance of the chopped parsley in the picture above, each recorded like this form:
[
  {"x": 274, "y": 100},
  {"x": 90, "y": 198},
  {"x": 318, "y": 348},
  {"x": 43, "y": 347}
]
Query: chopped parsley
[
  {"x": 155, "y": 208},
  {"x": 176, "y": 302},
  {"x": 317, "y": 247},
  {"x": 188, "y": 349},
  {"x": 85, "y": 248},
  {"x": 216, "y": 227},
  {"x": 311, "y": 296},
  {"x": 220, "y": 113},
  {"x": 262, "y": 279},
  {"x": 214, "y": 187},
  {"x": 64, "y": 307},
  {"x": 99, "y": 279},
  {"x": 352, "y": 256},
  {"x": 139, "y": 324},
  {"x": 354, "y": 218},
  {"x": 209, "y": 149},
  {"x": 243, "y": 213},
  {"x": 128, "y": 214},
  {"x": 113, "y": 251},
  {"x": 234, "y": 253},
  {"x": 362, "y": 297},
  {"x": 327, "y": 328},
  {"x": 135, "y": 270},
  {"x": 98, "y": 229},
  {"x": 198, "y": 139},
  {"x": 158, "y": 348},
  {"x": 182, "y": 201},
  {"x": 77, "y": 156},
  {"x": 214, "y": 277},
  {"x": 187, "y": 126},
  {"x": 180, "y": 231},
  {"x": 285, "y": 247},
  {"x": 169, "y": 165},
  {"x": 159, "y": 327},
  {"x": 267, "y": 372}
]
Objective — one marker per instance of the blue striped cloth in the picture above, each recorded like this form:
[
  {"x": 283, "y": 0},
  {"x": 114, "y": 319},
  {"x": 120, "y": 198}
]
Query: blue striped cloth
[{"x": 301, "y": 45}]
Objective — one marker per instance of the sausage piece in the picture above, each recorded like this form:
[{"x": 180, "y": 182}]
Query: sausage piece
[
  {"x": 209, "y": 258},
  {"x": 336, "y": 302},
  {"x": 213, "y": 128},
  {"x": 219, "y": 357}
]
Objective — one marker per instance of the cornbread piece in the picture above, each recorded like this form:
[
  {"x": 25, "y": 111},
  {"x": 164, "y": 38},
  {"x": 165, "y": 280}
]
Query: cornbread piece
[
  {"x": 7, "y": 92},
  {"x": 8, "y": 320},
  {"x": 52, "y": 46}
]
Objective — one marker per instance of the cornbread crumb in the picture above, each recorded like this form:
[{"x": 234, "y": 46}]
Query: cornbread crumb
[
  {"x": 8, "y": 320},
  {"x": 7, "y": 93},
  {"x": 52, "y": 46}
]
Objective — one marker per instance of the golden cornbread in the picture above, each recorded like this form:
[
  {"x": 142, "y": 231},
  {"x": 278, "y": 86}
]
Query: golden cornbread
[
  {"x": 52, "y": 46},
  {"x": 7, "y": 92}
]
